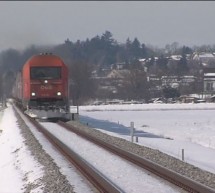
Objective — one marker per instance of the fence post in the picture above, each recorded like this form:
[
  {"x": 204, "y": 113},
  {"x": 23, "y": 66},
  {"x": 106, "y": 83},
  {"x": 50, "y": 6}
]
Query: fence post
[
  {"x": 137, "y": 139},
  {"x": 132, "y": 132},
  {"x": 182, "y": 154}
]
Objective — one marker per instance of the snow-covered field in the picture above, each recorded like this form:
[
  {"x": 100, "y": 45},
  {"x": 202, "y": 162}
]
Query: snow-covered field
[{"x": 166, "y": 127}]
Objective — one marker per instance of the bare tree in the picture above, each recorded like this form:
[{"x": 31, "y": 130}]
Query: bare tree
[
  {"x": 82, "y": 85},
  {"x": 134, "y": 85}
]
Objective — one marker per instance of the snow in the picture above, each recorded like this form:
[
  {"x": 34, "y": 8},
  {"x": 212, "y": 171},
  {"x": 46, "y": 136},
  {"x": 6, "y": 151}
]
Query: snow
[
  {"x": 16, "y": 163},
  {"x": 66, "y": 169},
  {"x": 167, "y": 127},
  {"x": 122, "y": 173}
]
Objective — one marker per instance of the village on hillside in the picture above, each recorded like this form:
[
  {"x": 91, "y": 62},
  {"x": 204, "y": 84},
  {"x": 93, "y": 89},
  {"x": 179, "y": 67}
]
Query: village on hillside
[{"x": 198, "y": 87}]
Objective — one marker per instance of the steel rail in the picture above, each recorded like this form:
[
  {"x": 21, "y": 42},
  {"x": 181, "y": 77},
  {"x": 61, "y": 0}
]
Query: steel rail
[
  {"x": 171, "y": 176},
  {"x": 100, "y": 182}
]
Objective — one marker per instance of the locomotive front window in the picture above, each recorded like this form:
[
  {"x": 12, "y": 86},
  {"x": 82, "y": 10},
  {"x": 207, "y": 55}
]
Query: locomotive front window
[{"x": 45, "y": 72}]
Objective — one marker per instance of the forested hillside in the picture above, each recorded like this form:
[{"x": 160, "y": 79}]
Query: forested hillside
[{"x": 99, "y": 53}]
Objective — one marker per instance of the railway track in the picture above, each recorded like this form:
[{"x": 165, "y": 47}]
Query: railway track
[
  {"x": 99, "y": 180},
  {"x": 171, "y": 176},
  {"x": 101, "y": 183}
]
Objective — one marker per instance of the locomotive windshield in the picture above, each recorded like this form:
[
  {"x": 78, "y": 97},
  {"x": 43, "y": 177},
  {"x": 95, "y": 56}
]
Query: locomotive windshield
[{"x": 45, "y": 72}]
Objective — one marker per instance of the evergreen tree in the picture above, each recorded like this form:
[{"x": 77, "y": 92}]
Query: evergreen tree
[
  {"x": 136, "y": 50},
  {"x": 182, "y": 67},
  {"x": 143, "y": 51},
  {"x": 128, "y": 51},
  {"x": 107, "y": 39},
  {"x": 186, "y": 50},
  {"x": 162, "y": 65},
  {"x": 170, "y": 92}
]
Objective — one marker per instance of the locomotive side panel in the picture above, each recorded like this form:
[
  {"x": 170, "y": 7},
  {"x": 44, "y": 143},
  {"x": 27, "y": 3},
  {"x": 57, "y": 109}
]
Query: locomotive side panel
[
  {"x": 17, "y": 88},
  {"x": 25, "y": 85}
]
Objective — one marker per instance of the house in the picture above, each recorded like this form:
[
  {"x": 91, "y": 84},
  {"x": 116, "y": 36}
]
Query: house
[
  {"x": 187, "y": 80},
  {"x": 203, "y": 58},
  {"x": 190, "y": 99},
  {"x": 172, "y": 81},
  {"x": 175, "y": 57},
  {"x": 118, "y": 66},
  {"x": 209, "y": 82}
]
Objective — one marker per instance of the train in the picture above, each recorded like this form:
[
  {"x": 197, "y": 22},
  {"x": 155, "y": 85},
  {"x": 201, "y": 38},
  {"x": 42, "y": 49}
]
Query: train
[{"x": 42, "y": 87}]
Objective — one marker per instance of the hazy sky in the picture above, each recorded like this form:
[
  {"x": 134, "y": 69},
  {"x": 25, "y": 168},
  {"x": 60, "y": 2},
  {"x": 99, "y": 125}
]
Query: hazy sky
[{"x": 157, "y": 23}]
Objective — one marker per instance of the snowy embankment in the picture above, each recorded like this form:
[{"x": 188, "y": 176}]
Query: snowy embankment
[
  {"x": 146, "y": 107},
  {"x": 191, "y": 129},
  {"x": 24, "y": 164},
  {"x": 19, "y": 170},
  {"x": 190, "y": 126}
]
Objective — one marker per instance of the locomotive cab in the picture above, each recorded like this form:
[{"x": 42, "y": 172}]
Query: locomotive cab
[
  {"x": 47, "y": 90},
  {"x": 45, "y": 87}
]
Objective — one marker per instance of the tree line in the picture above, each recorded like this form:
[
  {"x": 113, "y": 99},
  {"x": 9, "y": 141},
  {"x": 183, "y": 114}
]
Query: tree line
[{"x": 97, "y": 53}]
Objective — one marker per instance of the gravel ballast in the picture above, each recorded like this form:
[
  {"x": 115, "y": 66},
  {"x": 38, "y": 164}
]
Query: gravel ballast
[
  {"x": 53, "y": 181},
  {"x": 156, "y": 156}
]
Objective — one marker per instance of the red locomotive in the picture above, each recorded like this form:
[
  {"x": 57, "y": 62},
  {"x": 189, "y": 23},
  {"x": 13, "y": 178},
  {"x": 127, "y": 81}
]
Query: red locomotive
[{"x": 42, "y": 87}]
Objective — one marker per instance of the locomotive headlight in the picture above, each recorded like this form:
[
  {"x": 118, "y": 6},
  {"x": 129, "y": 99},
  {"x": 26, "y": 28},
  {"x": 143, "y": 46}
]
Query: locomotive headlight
[
  {"x": 58, "y": 93},
  {"x": 33, "y": 94},
  {"x": 45, "y": 81}
]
